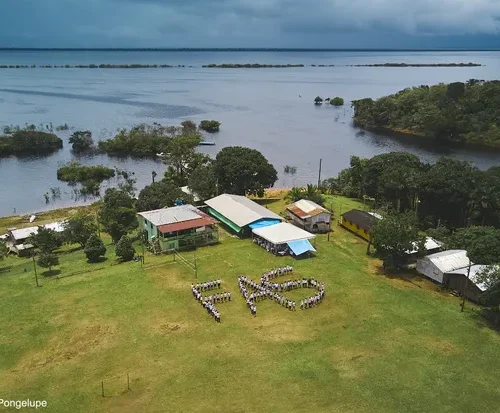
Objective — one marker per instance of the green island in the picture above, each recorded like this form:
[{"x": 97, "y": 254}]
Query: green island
[
  {"x": 470, "y": 64},
  {"x": 231, "y": 66},
  {"x": 25, "y": 142},
  {"x": 154, "y": 140},
  {"x": 250, "y": 66},
  {"x": 456, "y": 112}
]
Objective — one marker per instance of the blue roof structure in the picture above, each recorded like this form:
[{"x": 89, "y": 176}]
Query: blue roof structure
[
  {"x": 299, "y": 247},
  {"x": 264, "y": 223}
]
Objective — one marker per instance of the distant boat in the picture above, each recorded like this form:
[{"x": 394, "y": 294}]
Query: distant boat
[
  {"x": 160, "y": 155},
  {"x": 205, "y": 143}
]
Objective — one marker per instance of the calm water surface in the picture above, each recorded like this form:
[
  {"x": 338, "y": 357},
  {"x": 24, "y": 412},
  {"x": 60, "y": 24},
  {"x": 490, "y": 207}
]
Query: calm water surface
[{"x": 270, "y": 110}]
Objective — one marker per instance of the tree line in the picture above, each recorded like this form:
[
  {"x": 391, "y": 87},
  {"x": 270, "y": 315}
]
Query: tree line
[
  {"x": 456, "y": 112},
  {"x": 449, "y": 192}
]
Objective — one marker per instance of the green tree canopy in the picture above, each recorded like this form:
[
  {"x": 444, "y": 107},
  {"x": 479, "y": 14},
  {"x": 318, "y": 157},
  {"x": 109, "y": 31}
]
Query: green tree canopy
[
  {"x": 89, "y": 177},
  {"x": 124, "y": 249},
  {"x": 81, "y": 141},
  {"x": 46, "y": 239},
  {"x": 482, "y": 243},
  {"x": 94, "y": 248},
  {"x": 456, "y": 112},
  {"x": 78, "y": 228},
  {"x": 48, "y": 260},
  {"x": 241, "y": 170},
  {"x": 311, "y": 193},
  {"x": 203, "y": 182},
  {"x": 160, "y": 195},
  {"x": 117, "y": 214},
  {"x": 3, "y": 249},
  {"x": 210, "y": 126},
  {"x": 337, "y": 101},
  {"x": 393, "y": 237}
]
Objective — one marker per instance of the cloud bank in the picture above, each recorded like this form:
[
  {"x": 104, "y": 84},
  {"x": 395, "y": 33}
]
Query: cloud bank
[{"x": 250, "y": 23}]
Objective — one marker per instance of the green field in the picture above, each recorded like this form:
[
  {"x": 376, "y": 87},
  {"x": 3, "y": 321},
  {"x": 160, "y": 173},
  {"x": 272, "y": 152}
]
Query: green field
[{"x": 376, "y": 344}]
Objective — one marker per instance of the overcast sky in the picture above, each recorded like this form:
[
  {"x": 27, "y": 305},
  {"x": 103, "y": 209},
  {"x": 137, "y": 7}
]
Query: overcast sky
[{"x": 251, "y": 23}]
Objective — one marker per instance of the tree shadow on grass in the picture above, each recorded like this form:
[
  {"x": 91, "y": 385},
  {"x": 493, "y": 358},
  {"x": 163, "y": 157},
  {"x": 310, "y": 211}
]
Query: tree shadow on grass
[
  {"x": 5, "y": 269},
  {"x": 98, "y": 261},
  {"x": 52, "y": 273}
]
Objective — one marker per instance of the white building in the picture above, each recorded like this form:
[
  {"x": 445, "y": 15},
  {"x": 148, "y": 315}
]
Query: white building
[{"x": 435, "y": 266}]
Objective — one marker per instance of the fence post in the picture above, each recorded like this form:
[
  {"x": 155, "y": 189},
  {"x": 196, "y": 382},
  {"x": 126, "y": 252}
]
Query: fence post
[
  {"x": 102, "y": 388},
  {"x": 128, "y": 382}
]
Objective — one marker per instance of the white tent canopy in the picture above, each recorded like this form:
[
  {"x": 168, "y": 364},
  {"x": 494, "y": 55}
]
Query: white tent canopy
[{"x": 282, "y": 233}]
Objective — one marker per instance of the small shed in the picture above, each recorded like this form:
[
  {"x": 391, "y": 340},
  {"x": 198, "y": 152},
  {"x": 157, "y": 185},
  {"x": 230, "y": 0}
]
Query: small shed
[
  {"x": 240, "y": 213},
  {"x": 283, "y": 239},
  {"x": 457, "y": 280},
  {"x": 359, "y": 222},
  {"x": 179, "y": 227},
  {"x": 309, "y": 216}
]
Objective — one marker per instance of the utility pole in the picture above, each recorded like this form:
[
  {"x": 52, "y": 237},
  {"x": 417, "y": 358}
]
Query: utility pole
[
  {"x": 319, "y": 174},
  {"x": 34, "y": 267},
  {"x": 465, "y": 287}
]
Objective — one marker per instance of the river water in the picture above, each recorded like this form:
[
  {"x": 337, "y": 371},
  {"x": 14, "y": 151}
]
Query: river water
[{"x": 270, "y": 110}]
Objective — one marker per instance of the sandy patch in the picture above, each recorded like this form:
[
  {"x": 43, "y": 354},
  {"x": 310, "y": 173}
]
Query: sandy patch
[{"x": 84, "y": 339}]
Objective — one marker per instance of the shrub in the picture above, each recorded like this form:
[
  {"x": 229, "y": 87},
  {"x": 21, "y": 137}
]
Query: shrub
[
  {"x": 94, "y": 248},
  {"x": 337, "y": 101},
  {"x": 124, "y": 249}
]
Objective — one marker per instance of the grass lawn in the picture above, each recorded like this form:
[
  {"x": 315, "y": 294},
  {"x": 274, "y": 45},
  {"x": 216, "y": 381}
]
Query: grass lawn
[{"x": 376, "y": 344}]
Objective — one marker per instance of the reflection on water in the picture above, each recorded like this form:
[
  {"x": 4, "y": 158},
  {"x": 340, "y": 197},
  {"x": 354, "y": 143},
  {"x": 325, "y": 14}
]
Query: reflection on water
[{"x": 270, "y": 110}]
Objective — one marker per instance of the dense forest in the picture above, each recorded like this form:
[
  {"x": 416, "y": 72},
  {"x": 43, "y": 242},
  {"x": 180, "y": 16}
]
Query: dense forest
[
  {"x": 449, "y": 193},
  {"x": 456, "y": 112}
]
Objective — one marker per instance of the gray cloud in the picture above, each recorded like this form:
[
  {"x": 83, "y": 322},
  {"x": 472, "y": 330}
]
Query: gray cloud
[{"x": 242, "y": 23}]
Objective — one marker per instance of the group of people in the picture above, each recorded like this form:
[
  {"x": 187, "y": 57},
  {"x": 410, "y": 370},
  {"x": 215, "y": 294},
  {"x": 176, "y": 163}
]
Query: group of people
[
  {"x": 280, "y": 249},
  {"x": 267, "y": 289},
  {"x": 209, "y": 285},
  {"x": 260, "y": 291},
  {"x": 276, "y": 272},
  {"x": 208, "y": 302},
  {"x": 312, "y": 301}
]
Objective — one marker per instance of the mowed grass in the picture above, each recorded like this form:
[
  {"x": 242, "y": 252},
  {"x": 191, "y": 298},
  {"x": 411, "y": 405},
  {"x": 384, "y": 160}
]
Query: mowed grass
[{"x": 376, "y": 344}]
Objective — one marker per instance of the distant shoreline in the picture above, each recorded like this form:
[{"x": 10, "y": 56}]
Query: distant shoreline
[
  {"x": 235, "y": 49},
  {"x": 233, "y": 66}
]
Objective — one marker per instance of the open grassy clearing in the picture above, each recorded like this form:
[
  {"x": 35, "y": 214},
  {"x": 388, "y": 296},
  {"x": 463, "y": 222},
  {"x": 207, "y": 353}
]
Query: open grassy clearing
[{"x": 376, "y": 344}]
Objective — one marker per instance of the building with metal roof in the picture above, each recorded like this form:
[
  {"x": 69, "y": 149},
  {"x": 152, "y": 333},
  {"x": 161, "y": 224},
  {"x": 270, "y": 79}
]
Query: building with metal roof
[
  {"x": 179, "y": 227},
  {"x": 451, "y": 269},
  {"x": 284, "y": 238},
  {"x": 309, "y": 215},
  {"x": 16, "y": 238},
  {"x": 240, "y": 213},
  {"x": 359, "y": 222}
]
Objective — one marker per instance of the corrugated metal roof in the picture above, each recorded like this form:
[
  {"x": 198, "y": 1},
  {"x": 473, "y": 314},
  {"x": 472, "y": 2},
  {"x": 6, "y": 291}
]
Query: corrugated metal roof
[
  {"x": 181, "y": 226},
  {"x": 450, "y": 260},
  {"x": 239, "y": 209},
  {"x": 305, "y": 208},
  {"x": 282, "y": 233},
  {"x": 23, "y": 233},
  {"x": 430, "y": 244},
  {"x": 171, "y": 215},
  {"x": 474, "y": 271}
]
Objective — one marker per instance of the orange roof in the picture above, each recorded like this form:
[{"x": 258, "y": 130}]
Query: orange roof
[{"x": 192, "y": 223}]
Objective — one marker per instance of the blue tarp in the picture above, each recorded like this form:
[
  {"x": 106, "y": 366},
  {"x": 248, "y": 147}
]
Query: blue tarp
[
  {"x": 264, "y": 223},
  {"x": 301, "y": 246}
]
